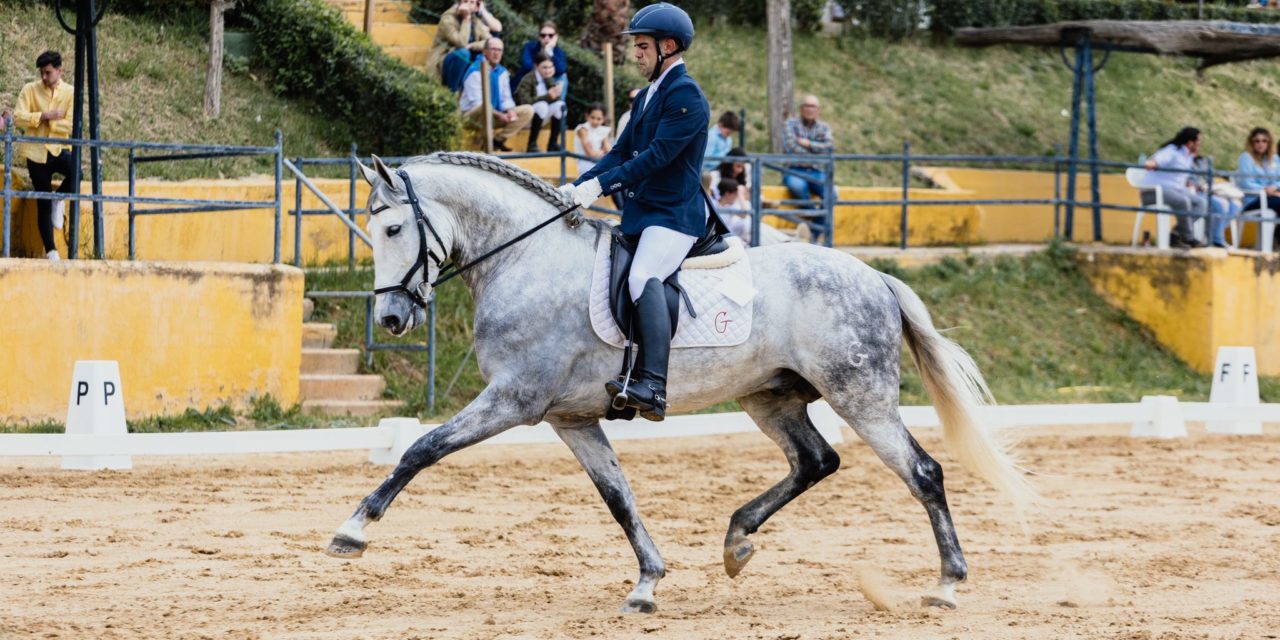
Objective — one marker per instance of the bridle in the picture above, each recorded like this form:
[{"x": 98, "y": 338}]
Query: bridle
[{"x": 446, "y": 272}]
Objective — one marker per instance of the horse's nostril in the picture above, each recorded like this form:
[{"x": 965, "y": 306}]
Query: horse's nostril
[{"x": 390, "y": 322}]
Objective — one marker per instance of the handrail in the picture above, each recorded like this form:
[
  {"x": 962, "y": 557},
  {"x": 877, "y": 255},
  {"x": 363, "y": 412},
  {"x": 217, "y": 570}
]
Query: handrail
[{"x": 333, "y": 208}]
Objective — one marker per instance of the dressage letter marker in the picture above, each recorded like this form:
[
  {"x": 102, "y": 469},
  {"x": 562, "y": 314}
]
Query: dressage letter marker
[
  {"x": 96, "y": 407},
  {"x": 1235, "y": 381}
]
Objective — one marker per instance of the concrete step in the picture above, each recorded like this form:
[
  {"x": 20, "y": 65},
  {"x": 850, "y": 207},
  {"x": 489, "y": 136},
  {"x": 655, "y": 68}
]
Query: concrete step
[
  {"x": 412, "y": 55},
  {"x": 318, "y": 335},
  {"x": 393, "y": 34},
  {"x": 340, "y": 387},
  {"x": 350, "y": 407},
  {"x": 330, "y": 361},
  {"x": 382, "y": 12}
]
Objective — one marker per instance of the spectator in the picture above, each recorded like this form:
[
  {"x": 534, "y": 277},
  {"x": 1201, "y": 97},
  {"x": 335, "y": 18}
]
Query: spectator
[
  {"x": 42, "y": 112},
  {"x": 508, "y": 118},
  {"x": 591, "y": 138},
  {"x": 546, "y": 44},
  {"x": 1259, "y": 162},
  {"x": 1177, "y": 155},
  {"x": 460, "y": 39},
  {"x": 739, "y": 171},
  {"x": 5, "y": 115},
  {"x": 737, "y": 215},
  {"x": 720, "y": 139},
  {"x": 626, "y": 115},
  {"x": 1224, "y": 201},
  {"x": 541, "y": 91},
  {"x": 807, "y": 135}
]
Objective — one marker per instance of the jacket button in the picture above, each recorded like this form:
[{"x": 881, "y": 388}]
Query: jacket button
[
  {"x": 631, "y": 194},
  {"x": 635, "y": 153}
]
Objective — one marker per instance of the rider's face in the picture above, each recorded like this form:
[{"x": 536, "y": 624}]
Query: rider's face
[{"x": 645, "y": 49}]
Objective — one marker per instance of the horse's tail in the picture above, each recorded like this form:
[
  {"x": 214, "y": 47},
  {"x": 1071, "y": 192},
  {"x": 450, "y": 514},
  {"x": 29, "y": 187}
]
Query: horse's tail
[{"x": 956, "y": 387}]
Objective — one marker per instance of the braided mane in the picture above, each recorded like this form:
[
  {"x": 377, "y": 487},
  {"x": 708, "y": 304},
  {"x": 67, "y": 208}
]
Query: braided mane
[{"x": 498, "y": 166}]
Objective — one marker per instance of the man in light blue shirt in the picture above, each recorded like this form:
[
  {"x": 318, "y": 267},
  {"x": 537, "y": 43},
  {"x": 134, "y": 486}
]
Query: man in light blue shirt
[
  {"x": 508, "y": 117},
  {"x": 720, "y": 140},
  {"x": 1179, "y": 155}
]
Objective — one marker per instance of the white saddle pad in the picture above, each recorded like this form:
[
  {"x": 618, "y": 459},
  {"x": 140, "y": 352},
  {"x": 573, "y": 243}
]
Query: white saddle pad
[{"x": 719, "y": 287}]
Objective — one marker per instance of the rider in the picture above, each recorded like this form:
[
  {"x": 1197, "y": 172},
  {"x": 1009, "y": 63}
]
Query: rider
[{"x": 656, "y": 162}]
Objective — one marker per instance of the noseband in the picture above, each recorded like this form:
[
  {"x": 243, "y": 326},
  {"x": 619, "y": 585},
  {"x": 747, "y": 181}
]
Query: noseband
[{"x": 425, "y": 252}]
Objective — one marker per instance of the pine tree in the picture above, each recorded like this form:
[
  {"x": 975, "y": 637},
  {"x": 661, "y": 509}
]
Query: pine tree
[{"x": 608, "y": 20}]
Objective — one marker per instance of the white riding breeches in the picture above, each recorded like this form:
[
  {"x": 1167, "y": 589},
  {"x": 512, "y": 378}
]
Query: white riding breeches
[{"x": 659, "y": 254}]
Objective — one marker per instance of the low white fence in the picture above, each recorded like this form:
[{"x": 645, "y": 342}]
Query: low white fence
[{"x": 1154, "y": 416}]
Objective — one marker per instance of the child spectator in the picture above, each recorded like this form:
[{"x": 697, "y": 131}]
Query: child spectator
[
  {"x": 541, "y": 90},
  {"x": 720, "y": 139},
  {"x": 591, "y": 138}
]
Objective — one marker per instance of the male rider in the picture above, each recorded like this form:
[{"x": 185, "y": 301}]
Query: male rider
[{"x": 656, "y": 162}]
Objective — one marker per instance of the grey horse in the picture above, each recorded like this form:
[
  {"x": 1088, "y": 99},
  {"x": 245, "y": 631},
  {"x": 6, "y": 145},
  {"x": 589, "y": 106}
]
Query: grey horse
[{"x": 825, "y": 326}]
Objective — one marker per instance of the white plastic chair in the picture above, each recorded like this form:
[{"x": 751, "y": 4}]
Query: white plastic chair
[
  {"x": 1266, "y": 230},
  {"x": 1164, "y": 221}
]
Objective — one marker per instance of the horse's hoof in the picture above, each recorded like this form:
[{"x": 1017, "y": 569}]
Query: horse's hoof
[
  {"x": 737, "y": 555},
  {"x": 639, "y": 606},
  {"x": 937, "y": 601},
  {"x": 346, "y": 547}
]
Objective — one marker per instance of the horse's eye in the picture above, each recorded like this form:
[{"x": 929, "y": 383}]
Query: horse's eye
[{"x": 393, "y": 231}]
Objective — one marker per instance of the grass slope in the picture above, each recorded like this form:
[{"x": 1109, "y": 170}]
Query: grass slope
[
  {"x": 1002, "y": 100},
  {"x": 152, "y": 77}
]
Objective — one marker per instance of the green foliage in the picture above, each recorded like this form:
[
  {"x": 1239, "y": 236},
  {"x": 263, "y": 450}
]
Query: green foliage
[
  {"x": 948, "y": 15},
  {"x": 806, "y": 14},
  {"x": 890, "y": 19},
  {"x": 313, "y": 52}
]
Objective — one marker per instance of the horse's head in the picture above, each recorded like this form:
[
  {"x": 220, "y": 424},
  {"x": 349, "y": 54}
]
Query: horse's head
[{"x": 409, "y": 246}]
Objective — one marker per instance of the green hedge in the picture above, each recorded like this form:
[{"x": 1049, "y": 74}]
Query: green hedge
[
  {"x": 948, "y": 15},
  {"x": 313, "y": 53},
  {"x": 806, "y": 13}
]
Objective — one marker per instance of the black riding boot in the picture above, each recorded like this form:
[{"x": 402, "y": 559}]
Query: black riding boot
[
  {"x": 535, "y": 127},
  {"x": 554, "y": 143},
  {"x": 647, "y": 392}
]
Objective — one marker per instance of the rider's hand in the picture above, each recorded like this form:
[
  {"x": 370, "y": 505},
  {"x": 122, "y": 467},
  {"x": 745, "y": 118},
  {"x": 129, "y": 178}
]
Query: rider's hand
[{"x": 583, "y": 195}]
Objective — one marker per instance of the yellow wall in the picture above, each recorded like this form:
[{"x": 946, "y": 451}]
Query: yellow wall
[
  {"x": 881, "y": 225},
  {"x": 224, "y": 236},
  {"x": 185, "y": 334},
  {"x": 1195, "y": 302}
]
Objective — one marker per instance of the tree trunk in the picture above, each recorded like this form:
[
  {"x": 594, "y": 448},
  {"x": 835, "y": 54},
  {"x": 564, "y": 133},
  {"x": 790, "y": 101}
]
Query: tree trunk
[
  {"x": 608, "y": 21},
  {"x": 782, "y": 83},
  {"x": 213, "y": 81}
]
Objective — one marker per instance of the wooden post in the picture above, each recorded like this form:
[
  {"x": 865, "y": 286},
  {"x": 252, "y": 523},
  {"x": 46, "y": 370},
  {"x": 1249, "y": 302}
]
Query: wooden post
[
  {"x": 488, "y": 105},
  {"x": 782, "y": 87},
  {"x": 213, "y": 80},
  {"x": 608, "y": 85},
  {"x": 368, "y": 17}
]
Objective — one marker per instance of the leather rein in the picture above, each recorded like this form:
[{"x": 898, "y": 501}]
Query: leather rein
[{"x": 451, "y": 270}]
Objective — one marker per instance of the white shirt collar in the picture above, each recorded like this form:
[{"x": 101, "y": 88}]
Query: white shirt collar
[{"x": 653, "y": 88}]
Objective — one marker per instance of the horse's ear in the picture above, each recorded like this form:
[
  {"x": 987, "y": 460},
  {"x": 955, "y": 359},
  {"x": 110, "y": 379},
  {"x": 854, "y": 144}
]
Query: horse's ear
[
  {"x": 369, "y": 174},
  {"x": 384, "y": 172}
]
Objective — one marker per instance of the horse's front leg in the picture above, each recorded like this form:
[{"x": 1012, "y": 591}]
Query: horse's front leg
[
  {"x": 591, "y": 448},
  {"x": 495, "y": 410}
]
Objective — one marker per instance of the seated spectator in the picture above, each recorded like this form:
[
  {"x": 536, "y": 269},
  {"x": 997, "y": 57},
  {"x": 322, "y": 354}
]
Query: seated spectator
[
  {"x": 626, "y": 115},
  {"x": 459, "y": 41},
  {"x": 720, "y": 139},
  {"x": 541, "y": 91},
  {"x": 591, "y": 138},
  {"x": 1263, "y": 171},
  {"x": 42, "y": 112},
  {"x": 739, "y": 171},
  {"x": 737, "y": 215},
  {"x": 807, "y": 135},
  {"x": 1178, "y": 154},
  {"x": 508, "y": 117},
  {"x": 546, "y": 44},
  {"x": 1224, "y": 201}
]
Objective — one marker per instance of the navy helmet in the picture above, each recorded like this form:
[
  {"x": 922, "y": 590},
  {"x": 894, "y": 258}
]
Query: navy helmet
[{"x": 663, "y": 20}]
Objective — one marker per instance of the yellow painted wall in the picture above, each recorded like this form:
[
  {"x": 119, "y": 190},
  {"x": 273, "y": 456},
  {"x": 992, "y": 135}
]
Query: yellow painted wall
[
  {"x": 927, "y": 225},
  {"x": 186, "y": 335},
  {"x": 1195, "y": 302},
  {"x": 224, "y": 236}
]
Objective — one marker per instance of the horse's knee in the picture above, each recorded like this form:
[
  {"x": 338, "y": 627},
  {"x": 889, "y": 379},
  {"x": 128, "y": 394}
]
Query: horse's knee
[
  {"x": 927, "y": 480},
  {"x": 825, "y": 463}
]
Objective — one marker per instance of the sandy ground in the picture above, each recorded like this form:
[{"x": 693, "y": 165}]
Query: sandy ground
[{"x": 1140, "y": 539}]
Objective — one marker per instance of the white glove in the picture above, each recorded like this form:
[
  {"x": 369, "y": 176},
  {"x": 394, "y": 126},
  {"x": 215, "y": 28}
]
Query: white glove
[{"x": 583, "y": 195}]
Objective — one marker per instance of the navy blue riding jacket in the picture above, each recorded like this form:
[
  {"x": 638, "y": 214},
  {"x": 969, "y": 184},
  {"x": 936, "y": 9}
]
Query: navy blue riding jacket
[{"x": 658, "y": 158}]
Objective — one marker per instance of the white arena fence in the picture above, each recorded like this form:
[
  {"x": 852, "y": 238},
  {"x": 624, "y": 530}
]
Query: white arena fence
[{"x": 1158, "y": 416}]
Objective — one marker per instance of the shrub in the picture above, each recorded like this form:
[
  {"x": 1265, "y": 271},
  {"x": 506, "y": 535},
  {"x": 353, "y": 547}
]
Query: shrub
[
  {"x": 890, "y": 18},
  {"x": 949, "y": 15},
  {"x": 314, "y": 53},
  {"x": 806, "y": 13}
]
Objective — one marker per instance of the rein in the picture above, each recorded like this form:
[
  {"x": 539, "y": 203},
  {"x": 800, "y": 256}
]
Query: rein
[{"x": 452, "y": 270}]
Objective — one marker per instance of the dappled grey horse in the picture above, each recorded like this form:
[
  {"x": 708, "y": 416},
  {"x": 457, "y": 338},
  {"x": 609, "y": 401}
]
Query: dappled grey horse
[{"x": 825, "y": 326}]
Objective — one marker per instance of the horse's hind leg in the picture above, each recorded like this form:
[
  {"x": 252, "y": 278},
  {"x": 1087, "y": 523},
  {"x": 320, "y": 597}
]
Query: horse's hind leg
[
  {"x": 882, "y": 429},
  {"x": 592, "y": 449},
  {"x": 783, "y": 417},
  {"x": 495, "y": 410}
]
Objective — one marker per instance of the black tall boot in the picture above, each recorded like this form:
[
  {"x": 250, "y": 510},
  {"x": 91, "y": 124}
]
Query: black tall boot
[
  {"x": 554, "y": 143},
  {"x": 647, "y": 393},
  {"x": 535, "y": 127}
]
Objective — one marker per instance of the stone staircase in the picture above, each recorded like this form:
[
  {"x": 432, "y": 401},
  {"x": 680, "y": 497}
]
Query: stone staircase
[
  {"x": 329, "y": 384},
  {"x": 392, "y": 29}
]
